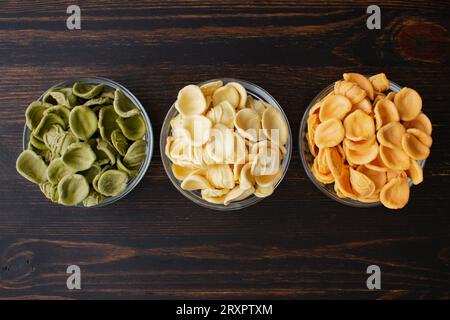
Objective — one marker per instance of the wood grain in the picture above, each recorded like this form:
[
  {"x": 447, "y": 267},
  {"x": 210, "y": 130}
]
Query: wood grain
[{"x": 155, "y": 243}]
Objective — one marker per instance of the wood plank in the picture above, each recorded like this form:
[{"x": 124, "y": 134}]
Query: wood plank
[{"x": 155, "y": 243}]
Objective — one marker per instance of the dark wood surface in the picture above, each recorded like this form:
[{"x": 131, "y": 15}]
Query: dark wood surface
[{"x": 155, "y": 243}]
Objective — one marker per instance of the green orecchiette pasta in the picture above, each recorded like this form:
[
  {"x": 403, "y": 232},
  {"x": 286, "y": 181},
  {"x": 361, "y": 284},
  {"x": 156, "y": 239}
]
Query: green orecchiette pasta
[
  {"x": 90, "y": 173},
  {"x": 102, "y": 157},
  {"x": 72, "y": 189},
  {"x": 37, "y": 143},
  {"x": 108, "y": 149},
  {"x": 79, "y": 156},
  {"x": 46, "y": 122},
  {"x": 85, "y": 144},
  {"x": 86, "y": 91},
  {"x": 94, "y": 198},
  {"x": 112, "y": 182},
  {"x": 65, "y": 141},
  {"x": 107, "y": 122},
  {"x": 135, "y": 154},
  {"x": 133, "y": 128},
  {"x": 32, "y": 167},
  {"x": 57, "y": 170},
  {"x": 62, "y": 96},
  {"x": 34, "y": 113},
  {"x": 97, "y": 177},
  {"x": 97, "y": 102},
  {"x": 60, "y": 111},
  {"x": 45, "y": 188},
  {"x": 119, "y": 142},
  {"x": 83, "y": 122},
  {"x": 51, "y": 136},
  {"x": 108, "y": 94},
  {"x": 123, "y": 106},
  {"x": 47, "y": 155},
  {"x": 123, "y": 167},
  {"x": 50, "y": 191}
]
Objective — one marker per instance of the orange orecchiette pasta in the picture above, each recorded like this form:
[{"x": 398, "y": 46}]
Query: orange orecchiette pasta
[{"x": 368, "y": 140}]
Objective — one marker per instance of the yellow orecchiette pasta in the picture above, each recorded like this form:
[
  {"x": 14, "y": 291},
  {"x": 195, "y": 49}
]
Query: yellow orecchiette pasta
[
  {"x": 225, "y": 144},
  {"x": 191, "y": 101}
]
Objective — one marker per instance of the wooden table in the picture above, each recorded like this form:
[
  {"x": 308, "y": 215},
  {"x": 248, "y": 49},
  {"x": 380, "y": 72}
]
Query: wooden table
[{"x": 157, "y": 244}]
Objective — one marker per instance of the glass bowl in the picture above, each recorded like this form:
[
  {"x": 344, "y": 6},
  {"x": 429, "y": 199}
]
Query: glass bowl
[
  {"x": 148, "y": 135},
  {"x": 307, "y": 157},
  {"x": 195, "y": 196}
]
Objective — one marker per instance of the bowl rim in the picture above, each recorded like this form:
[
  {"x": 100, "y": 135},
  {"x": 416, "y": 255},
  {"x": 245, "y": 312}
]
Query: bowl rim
[
  {"x": 149, "y": 137},
  {"x": 302, "y": 150},
  {"x": 238, "y": 205}
]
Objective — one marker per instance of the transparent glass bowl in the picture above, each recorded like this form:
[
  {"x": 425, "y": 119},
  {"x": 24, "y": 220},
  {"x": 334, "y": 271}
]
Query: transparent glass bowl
[
  {"x": 195, "y": 196},
  {"x": 308, "y": 159},
  {"x": 148, "y": 136}
]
